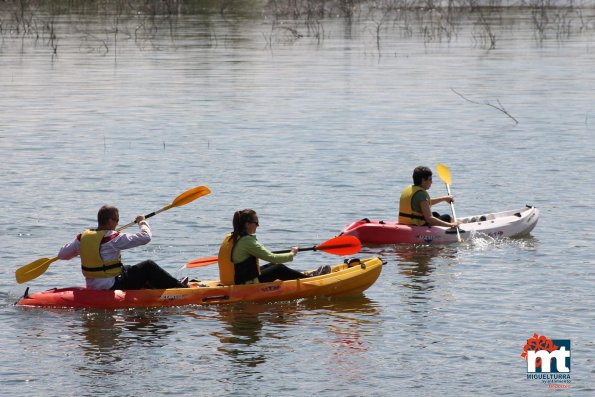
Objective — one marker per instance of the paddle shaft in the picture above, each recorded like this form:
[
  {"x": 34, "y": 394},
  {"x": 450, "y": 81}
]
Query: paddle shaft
[
  {"x": 146, "y": 216},
  {"x": 187, "y": 197},
  {"x": 316, "y": 248},
  {"x": 444, "y": 174},
  {"x": 454, "y": 215},
  {"x": 452, "y": 206},
  {"x": 210, "y": 260},
  {"x": 342, "y": 245}
]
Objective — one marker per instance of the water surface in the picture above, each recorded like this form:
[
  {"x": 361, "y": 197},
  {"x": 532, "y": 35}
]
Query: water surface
[{"x": 313, "y": 132}]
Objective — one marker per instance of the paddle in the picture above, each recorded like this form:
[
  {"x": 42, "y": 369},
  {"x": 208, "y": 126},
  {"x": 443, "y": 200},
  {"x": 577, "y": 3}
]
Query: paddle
[
  {"x": 444, "y": 174},
  {"x": 37, "y": 268},
  {"x": 200, "y": 262},
  {"x": 342, "y": 245}
]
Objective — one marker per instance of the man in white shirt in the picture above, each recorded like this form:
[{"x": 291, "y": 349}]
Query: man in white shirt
[{"x": 101, "y": 263}]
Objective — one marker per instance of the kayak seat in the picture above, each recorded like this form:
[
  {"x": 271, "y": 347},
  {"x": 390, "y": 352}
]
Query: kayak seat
[{"x": 352, "y": 262}]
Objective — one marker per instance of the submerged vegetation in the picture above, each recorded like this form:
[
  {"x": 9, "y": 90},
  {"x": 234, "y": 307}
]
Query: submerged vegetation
[{"x": 102, "y": 24}]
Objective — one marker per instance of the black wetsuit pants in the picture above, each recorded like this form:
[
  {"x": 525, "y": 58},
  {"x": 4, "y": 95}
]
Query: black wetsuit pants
[
  {"x": 146, "y": 274},
  {"x": 272, "y": 272}
]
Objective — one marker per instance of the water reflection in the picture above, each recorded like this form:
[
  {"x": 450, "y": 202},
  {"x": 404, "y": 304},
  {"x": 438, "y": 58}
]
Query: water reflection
[
  {"x": 102, "y": 343},
  {"x": 342, "y": 306},
  {"x": 417, "y": 263},
  {"x": 243, "y": 327},
  {"x": 108, "y": 336},
  {"x": 250, "y": 329},
  {"x": 349, "y": 319},
  {"x": 155, "y": 24}
]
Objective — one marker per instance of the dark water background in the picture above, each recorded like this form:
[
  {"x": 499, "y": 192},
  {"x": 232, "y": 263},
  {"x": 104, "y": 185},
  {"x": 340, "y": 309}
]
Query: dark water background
[{"x": 315, "y": 119}]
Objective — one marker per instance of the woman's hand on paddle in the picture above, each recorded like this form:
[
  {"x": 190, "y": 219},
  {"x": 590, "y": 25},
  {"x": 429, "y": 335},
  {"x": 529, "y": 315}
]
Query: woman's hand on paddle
[
  {"x": 294, "y": 250},
  {"x": 139, "y": 219}
]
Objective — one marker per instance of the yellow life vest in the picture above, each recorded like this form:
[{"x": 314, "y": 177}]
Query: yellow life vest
[
  {"x": 231, "y": 273},
  {"x": 226, "y": 267},
  {"x": 406, "y": 214},
  {"x": 92, "y": 265}
]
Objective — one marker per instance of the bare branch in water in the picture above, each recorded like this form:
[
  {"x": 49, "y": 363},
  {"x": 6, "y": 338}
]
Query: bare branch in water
[{"x": 500, "y": 107}]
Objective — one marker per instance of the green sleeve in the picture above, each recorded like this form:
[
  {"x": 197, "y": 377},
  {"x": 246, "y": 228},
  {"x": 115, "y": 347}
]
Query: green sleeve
[
  {"x": 249, "y": 246},
  {"x": 417, "y": 198}
]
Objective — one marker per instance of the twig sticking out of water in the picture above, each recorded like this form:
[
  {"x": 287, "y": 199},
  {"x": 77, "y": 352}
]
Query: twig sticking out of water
[{"x": 500, "y": 107}]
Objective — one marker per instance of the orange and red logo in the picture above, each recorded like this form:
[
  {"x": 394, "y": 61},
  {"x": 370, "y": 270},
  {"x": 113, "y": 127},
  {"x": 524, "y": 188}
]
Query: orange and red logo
[{"x": 548, "y": 360}]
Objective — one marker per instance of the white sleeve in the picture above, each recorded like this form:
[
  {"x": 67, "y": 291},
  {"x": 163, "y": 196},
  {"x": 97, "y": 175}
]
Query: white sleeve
[
  {"x": 70, "y": 250},
  {"x": 125, "y": 241}
]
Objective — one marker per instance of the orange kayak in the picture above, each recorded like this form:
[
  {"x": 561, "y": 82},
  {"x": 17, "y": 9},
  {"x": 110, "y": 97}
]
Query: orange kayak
[{"x": 344, "y": 279}]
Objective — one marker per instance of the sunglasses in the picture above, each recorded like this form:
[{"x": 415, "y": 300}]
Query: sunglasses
[{"x": 255, "y": 222}]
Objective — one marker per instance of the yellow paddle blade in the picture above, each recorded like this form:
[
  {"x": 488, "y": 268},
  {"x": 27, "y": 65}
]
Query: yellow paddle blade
[
  {"x": 33, "y": 269},
  {"x": 444, "y": 173}
]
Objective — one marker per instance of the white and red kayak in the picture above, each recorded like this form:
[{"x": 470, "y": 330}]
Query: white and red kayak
[{"x": 496, "y": 225}]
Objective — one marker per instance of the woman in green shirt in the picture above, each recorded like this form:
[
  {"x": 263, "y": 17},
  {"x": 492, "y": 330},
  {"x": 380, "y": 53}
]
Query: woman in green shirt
[{"x": 240, "y": 253}]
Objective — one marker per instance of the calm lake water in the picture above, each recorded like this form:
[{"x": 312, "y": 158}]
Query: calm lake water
[{"x": 314, "y": 123}]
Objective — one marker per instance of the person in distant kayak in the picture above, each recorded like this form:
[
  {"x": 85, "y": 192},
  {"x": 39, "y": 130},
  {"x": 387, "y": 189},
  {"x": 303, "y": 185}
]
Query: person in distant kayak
[
  {"x": 101, "y": 262},
  {"x": 415, "y": 205},
  {"x": 240, "y": 252}
]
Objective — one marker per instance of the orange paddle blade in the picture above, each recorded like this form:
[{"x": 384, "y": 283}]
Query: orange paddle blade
[
  {"x": 200, "y": 262},
  {"x": 342, "y": 245},
  {"x": 190, "y": 195}
]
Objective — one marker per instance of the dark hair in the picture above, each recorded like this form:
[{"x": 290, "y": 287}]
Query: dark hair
[
  {"x": 240, "y": 218},
  {"x": 420, "y": 173},
  {"x": 106, "y": 213}
]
